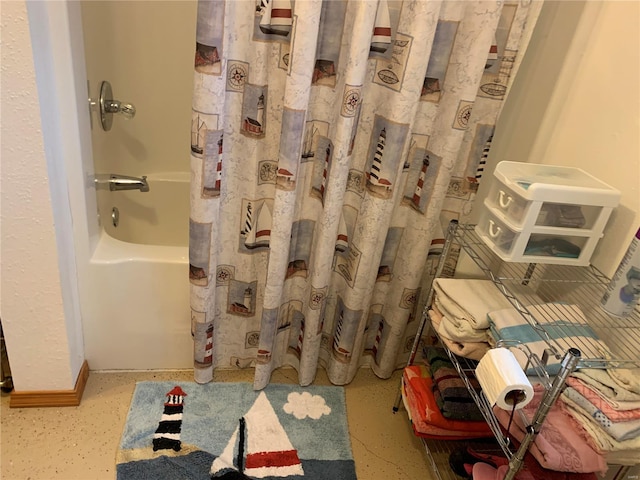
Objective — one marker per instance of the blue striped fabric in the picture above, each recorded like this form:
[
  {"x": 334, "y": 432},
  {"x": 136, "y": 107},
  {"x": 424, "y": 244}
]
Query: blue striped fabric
[
  {"x": 560, "y": 329},
  {"x": 564, "y": 324}
]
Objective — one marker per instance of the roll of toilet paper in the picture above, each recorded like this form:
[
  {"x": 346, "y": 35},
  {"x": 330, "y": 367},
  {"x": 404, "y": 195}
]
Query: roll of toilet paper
[{"x": 502, "y": 379}]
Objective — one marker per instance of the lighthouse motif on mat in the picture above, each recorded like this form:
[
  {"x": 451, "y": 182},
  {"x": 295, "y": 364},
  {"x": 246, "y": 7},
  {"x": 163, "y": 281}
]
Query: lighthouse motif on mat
[{"x": 167, "y": 435}]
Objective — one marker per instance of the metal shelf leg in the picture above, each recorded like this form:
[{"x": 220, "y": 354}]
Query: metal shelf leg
[
  {"x": 568, "y": 365},
  {"x": 425, "y": 312}
]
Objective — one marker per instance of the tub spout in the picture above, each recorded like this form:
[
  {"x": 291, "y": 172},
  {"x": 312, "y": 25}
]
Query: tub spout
[{"x": 124, "y": 182}]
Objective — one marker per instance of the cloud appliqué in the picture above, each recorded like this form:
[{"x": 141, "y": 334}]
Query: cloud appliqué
[{"x": 303, "y": 405}]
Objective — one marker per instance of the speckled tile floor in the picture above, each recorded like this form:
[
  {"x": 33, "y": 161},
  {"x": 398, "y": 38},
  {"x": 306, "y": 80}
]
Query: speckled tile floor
[{"x": 80, "y": 443}]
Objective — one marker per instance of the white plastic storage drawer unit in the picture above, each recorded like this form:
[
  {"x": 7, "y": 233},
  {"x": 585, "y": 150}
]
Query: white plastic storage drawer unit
[{"x": 545, "y": 214}]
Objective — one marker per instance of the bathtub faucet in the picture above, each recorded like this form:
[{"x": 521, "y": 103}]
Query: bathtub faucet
[{"x": 124, "y": 182}]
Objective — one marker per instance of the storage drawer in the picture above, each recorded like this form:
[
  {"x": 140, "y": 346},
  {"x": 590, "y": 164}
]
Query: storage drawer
[
  {"x": 510, "y": 204},
  {"x": 542, "y": 245},
  {"x": 516, "y": 210},
  {"x": 554, "y": 246},
  {"x": 545, "y": 213},
  {"x": 496, "y": 233}
]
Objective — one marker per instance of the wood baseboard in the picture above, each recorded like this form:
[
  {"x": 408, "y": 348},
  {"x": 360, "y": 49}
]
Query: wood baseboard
[{"x": 52, "y": 398}]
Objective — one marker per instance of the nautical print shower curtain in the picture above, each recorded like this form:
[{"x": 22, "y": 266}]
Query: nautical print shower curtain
[{"x": 330, "y": 141}]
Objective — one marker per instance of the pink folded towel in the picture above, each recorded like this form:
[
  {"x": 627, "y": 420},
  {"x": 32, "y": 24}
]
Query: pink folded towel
[
  {"x": 601, "y": 403},
  {"x": 558, "y": 446}
]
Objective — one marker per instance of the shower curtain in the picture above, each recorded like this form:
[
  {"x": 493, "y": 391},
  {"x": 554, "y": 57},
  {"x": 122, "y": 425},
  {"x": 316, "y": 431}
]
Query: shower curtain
[{"x": 330, "y": 142}]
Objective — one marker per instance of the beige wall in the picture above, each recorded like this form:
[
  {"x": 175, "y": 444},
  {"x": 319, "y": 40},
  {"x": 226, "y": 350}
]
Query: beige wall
[
  {"x": 575, "y": 102},
  {"x": 598, "y": 127}
]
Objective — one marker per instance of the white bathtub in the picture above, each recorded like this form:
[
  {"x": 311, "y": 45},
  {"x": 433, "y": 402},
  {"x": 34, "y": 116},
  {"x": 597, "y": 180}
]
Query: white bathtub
[{"x": 137, "y": 315}]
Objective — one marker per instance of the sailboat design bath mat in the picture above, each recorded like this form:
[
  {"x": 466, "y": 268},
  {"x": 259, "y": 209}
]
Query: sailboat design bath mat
[{"x": 229, "y": 431}]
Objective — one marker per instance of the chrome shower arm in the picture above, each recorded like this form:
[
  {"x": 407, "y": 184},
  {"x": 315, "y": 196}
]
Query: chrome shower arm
[{"x": 125, "y": 182}]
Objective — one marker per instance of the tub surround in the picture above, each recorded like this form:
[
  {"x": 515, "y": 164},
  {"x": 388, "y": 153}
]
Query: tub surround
[{"x": 157, "y": 217}]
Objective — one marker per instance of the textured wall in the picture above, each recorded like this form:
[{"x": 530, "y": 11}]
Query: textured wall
[{"x": 32, "y": 307}]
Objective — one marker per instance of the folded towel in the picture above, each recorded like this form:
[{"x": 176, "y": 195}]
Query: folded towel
[
  {"x": 612, "y": 410},
  {"x": 463, "y": 458},
  {"x": 620, "y": 431},
  {"x": 469, "y": 300},
  {"x": 598, "y": 438},
  {"x": 426, "y": 419},
  {"x": 627, "y": 378},
  {"x": 616, "y": 453},
  {"x": 471, "y": 350},
  {"x": 458, "y": 330},
  {"x": 558, "y": 445},
  {"x": 449, "y": 390},
  {"x": 606, "y": 381},
  {"x": 564, "y": 324}
]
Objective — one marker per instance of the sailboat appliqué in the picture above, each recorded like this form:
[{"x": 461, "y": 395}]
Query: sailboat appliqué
[{"x": 268, "y": 452}]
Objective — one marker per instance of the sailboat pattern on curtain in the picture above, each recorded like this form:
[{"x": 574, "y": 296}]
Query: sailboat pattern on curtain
[{"x": 320, "y": 183}]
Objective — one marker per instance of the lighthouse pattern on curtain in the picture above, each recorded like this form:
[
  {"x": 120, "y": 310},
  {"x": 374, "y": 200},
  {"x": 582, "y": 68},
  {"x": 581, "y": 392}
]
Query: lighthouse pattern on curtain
[{"x": 296, "y": 145}]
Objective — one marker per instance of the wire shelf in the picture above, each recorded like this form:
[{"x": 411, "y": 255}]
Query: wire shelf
[
  {"x": 526, "y": 284},
  {"x": 466, "y": 370},
  {"x": 554, "y": 292}
]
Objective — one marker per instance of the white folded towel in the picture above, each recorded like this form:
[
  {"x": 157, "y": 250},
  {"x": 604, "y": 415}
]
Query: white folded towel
[
  {"x": 472, "y": 350},
  {"x": 469, "y": 300},
  {"x": 459, "y": 330},
  {"x": 609, "y": 383}
]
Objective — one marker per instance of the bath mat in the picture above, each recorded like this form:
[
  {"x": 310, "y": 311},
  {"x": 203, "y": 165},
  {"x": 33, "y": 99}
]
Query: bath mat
[{"x": 189, "y": 431}]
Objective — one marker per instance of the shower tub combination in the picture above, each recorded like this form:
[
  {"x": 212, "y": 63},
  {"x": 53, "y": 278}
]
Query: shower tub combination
[{"x": 137, "y": 314}]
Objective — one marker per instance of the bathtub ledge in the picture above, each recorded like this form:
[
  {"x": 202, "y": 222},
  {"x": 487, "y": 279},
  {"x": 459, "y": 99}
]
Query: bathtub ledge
[{"x": 111, "y": 251}]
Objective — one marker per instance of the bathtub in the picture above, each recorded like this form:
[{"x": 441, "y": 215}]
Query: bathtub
[{"x": 137, "y": 314}]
